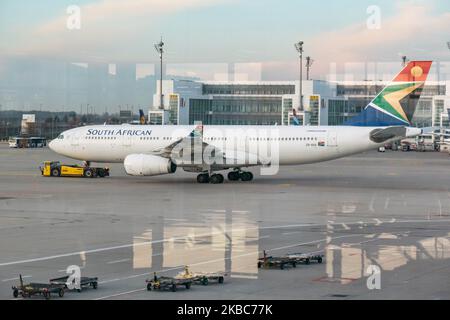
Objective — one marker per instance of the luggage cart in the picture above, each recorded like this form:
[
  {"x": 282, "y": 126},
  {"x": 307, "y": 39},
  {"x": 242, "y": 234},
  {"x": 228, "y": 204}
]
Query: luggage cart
[
  {"x": 268, "y": 262},
  {"x": 306, "y": 258},
  {"x": 85, "y": 282},
  {"x": 203, "y": 278},
  {"x": 33, "y": 288},
  {"x": 167, "y": 283}
]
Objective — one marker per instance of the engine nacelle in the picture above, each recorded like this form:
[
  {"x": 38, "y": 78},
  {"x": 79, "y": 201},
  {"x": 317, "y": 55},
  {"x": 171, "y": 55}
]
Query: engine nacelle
[{"x": 148, "y": 165}]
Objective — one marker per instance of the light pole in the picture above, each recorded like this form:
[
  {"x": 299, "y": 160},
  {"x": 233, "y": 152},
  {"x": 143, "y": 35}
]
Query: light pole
[
  {"x": 309, "y": 63},
  {"x": 159, "y": 48},
  {"x": 404, "y": 61},
  {"x": 299, "y": 48}
]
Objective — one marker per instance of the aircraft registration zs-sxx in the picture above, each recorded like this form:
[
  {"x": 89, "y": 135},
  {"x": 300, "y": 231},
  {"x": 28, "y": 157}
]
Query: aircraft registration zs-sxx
[{"x": 150, "y": 150}]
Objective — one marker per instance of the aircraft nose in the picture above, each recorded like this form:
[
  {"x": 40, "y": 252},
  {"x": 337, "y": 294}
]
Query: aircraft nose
[{"x": 52, "y": 145}]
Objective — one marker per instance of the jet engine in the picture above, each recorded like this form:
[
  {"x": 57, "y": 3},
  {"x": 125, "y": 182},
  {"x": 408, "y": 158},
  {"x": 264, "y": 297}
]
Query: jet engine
[{"x": 148, "y": 165}]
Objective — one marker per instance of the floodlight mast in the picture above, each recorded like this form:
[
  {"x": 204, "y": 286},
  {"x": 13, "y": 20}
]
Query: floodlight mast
[
  {"x": 299, "y": 48},
  {"x": 404, "y": 61},
  {"x": 309, "y": 63},
  {"x": 159, "y": 48}
]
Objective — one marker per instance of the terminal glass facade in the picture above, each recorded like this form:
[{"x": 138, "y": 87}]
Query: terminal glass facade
[
  {"x": 438, "y": 109},
  {"x": 314, "y": 109},
  {"x": 422, "y": 115},
  {"x": 287, "y": 107},
  {"x": 250, "y": 89},
  {"x": 236, "y": 110},
  {"x": 173, "y": 108}
]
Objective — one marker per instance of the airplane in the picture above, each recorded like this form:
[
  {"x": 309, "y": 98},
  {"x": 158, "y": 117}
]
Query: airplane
[{"x": 150, "y": 150}]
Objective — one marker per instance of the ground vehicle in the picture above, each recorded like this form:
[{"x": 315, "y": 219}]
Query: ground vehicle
[
  {"x": 405, "y": 147},
  {"x": 291, "y": 259},
  {"x": 57, "y": 169},
  {"x": 202, "y": 278},
  {"x": 305, "y": 258},
  {"x": 171, "y": 283},
  {"x": 27, "y": 142},
  {"x": 31, "y": 289},
  {"x": 84, "y": 282}
]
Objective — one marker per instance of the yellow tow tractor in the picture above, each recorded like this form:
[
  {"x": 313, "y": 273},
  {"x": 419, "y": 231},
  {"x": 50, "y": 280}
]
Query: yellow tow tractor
[{"x": 58, "y": 169}]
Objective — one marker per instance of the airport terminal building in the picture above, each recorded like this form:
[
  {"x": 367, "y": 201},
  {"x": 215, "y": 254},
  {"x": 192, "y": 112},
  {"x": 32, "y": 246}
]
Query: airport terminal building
[{"x": 272, "y": 102}]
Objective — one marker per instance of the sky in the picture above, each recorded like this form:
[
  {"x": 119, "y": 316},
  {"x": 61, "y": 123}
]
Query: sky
[{"x": 258, "y": 35}]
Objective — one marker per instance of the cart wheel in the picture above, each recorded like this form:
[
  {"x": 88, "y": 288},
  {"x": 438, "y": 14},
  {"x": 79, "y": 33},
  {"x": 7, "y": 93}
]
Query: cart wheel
[
  {"x": 221, "y": 279},
  {"x": 319, "y": 260},
  {"x": 149, "y": 287},
  {"x": 24, "y": 295},
  {"x": 56, "y": 172},
  {"x": 307, "y": 261},
  {"x": 95, "y": 285},
  {"x": 15, "y": 293},
  {"x": 294, "y": 264},
  {"x": 188, "y": 285},
  {"x": 259, "y": 265},
  {"x": 174, "y": 288},
  {"x": 282, "y": 266},
  {"x": 61, "y": 293},
  {"x": 205, "y": 281}
]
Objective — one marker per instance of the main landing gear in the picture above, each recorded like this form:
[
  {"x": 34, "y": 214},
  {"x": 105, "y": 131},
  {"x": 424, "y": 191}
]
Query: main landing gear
[
  {"x": 236, "y": 175},
  {"x": 216, "y": 178}
]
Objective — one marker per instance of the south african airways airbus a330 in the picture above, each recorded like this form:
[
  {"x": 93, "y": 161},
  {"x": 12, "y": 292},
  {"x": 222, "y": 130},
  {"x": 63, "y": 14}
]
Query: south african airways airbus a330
[{"x": 149, "y": 150}]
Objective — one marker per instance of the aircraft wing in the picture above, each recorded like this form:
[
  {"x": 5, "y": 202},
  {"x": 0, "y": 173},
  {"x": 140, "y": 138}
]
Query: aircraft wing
[{"x": 193, "y": 143}]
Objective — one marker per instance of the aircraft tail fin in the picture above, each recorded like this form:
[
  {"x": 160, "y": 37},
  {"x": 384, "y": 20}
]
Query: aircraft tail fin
[{"x": 396, "y": 103}]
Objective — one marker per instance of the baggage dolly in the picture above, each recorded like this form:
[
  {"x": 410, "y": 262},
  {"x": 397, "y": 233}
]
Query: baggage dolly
[
  {"x": 167, "y": 283},
  {"x": 84, "y": 282},
  {"x": 274, "y": 262},
  {"x": 202, "y": 278},
  {"x": 30, "y": 289},
  {"x": 306, "y": 258}
]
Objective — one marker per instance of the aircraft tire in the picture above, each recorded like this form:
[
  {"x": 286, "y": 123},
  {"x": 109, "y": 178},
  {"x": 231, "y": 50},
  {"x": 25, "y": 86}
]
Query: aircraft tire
[
  {"x": 233, "y": 175},
  {"x": 246, "y": 176},
  {"x": 216, "y": 178},
  {"x": 203, "y": 178}
]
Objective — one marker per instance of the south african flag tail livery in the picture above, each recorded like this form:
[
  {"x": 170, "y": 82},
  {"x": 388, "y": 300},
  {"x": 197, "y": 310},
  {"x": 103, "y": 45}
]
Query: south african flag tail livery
[{"x": 396, "y": 103}]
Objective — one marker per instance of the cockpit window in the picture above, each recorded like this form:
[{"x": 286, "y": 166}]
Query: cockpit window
[{"x": 61, "y": 136}]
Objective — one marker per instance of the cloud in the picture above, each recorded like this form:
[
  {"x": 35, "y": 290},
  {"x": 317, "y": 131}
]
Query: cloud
[
  {"x": 108, "y": 28},
  {"x": 414, "y": 31}
]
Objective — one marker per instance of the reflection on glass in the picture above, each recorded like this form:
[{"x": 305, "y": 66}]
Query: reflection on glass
[{"x": 223, "y": 242}]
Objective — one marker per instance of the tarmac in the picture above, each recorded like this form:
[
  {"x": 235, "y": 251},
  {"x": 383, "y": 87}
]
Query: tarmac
[{"x": 374, "y": 211}]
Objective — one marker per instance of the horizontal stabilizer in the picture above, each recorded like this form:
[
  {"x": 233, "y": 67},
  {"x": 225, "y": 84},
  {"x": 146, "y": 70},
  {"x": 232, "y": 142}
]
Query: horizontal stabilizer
[{"x": 382, "y": 135}]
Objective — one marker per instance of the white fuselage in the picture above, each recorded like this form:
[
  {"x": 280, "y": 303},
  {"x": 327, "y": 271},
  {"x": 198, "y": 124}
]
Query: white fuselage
[{"x": 294, "y": 144}]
